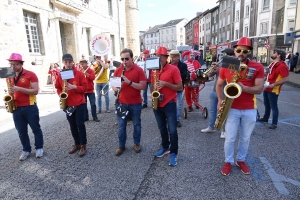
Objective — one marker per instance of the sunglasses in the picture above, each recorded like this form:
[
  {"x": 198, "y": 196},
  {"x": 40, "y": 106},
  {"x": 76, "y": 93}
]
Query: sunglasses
[
  {"x": 124, "y": 59},
  {"x": 244, "y": 51}
]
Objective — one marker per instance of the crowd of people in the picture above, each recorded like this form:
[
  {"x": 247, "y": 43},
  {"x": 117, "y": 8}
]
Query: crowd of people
[{"x": 175, "y": 77}]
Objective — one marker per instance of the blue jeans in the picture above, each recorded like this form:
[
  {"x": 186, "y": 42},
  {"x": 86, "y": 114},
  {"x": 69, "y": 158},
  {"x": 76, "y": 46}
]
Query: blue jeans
[
  {"x": 99, "y": 87},
  {"x": 270, "y": 101},
  {"x": 23, "y": 116},
  {"x": 135, "y": 115},
  {"x": 213, "y": 110},
  {"x": 76, "y": 121},
  {"x": 179, "y": 105},
  {"x": 166, "y": 119},
  {"x": 245, "y": 120},
  {"x": 145, "y": 93},
  {"x": 92, "y": 99}
]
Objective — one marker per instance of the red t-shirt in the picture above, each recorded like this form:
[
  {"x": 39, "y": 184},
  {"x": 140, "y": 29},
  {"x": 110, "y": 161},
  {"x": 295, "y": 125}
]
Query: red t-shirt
[
  {"x": 75, "y": 97},
  {"x": 245, "y": 100},
  {"x": 25, "y": 80},
  {"x": 128, "y": 94},
  {"x": 277, "y": 71},
  {"x": 170, "y": 74},
  {"x": 90, "y": 80}
]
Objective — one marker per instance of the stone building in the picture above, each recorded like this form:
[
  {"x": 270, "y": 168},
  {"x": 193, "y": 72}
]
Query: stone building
[
  {"x": 43, "y": 30},
  {"x": 151, "y": 38}
]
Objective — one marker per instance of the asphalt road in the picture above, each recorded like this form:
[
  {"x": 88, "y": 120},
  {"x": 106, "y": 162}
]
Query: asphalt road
[{"x": 273, "y": 158}]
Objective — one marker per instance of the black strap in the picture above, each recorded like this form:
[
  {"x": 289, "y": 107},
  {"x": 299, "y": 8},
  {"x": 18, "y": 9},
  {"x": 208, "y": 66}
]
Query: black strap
[{"x": 16, "y": 80}]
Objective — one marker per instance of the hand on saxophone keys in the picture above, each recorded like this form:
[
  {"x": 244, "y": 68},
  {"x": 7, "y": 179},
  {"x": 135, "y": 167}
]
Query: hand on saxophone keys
[
  {"x": 161, "y": 84},
  {"x": 70, "y": 87}
]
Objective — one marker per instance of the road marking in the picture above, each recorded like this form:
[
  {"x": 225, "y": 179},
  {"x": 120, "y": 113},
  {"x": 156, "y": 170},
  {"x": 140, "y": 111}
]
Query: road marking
[{"x": 278, "y": 179}]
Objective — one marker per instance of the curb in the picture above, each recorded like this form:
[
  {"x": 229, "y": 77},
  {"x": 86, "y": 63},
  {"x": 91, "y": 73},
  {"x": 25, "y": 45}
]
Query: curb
[{"x": 293, "y": 84}]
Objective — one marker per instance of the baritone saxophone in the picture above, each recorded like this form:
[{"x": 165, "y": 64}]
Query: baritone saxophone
[
  {"x": 231, "y": 91},
  {"x": 9, "y": 99},
  {"x": 63, "y": 96},
  {"x": 155, "y": 94}
]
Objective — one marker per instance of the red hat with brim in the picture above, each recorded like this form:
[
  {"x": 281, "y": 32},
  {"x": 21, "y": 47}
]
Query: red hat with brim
[
  {"x": 244, "y": 41},
  {"x": 146, "y": 51},
  {"x": 15, "y": 57},
  {"x": 162, "y": 51}
]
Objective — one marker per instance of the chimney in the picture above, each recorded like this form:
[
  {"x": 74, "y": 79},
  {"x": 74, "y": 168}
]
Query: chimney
[{"x": 150, "y": 27}]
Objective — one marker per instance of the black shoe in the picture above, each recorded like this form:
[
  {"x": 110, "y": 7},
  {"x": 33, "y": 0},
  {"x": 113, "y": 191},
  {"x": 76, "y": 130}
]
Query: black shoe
[
  {"x": 144, "y": 106},
  {"x": 273, "y": 126},
  {"x": 262, "y": 120},
  {"x": 190, "y": 109},
  {"x": 96, "y": 120},
  {"x": 179, "y": 124},
  {"x": 86, "y": 120},
  {"x": 197, "y": 107}
]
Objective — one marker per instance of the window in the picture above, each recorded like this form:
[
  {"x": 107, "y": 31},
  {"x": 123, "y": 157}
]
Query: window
[
  {"x": 172, "y": 30},
  {"x": 228, "y": 35},
  {"x": 291, "y": 25},
  {"x": 151, "y": 41},
  {"x": 228, "y": 19},
  {"x": 247, "y": 11},
  {"x": 110, "y": 11},
  {"x": 224, "y": 7},
  {"x": 173, "y": 38},
  {"x": 246, "y": 31},
  {"x": 162, "y": 32},
  {"x": 167, "y": 31},
  {"x": 181, "y": 37},
  {"x": 224, "y": 21},
  {"x": 237, "y": 16},
  {"x": 293, "y": 2},
  {"x": 266, "y": 4},
  {"x": 264, "y": 28},
  {"x": 220, "y": 7},
  {"x": 229, "y": 3},
  {"x": 122, "y": 43},
  {"x": 237, "y": 34},
  {"x": 31, "y": 28},
  {"x": 112, "y": 40},
  {"x": 181, "y": 30}
]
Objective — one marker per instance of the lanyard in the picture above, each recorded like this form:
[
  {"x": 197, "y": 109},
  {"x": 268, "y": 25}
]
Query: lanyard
[
  {"x": 271, "y": 68},
  {"x": 16, "y": 80}
]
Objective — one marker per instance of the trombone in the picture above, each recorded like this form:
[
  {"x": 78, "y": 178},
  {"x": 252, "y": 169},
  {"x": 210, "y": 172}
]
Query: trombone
[{"x": 102, "y": 92}]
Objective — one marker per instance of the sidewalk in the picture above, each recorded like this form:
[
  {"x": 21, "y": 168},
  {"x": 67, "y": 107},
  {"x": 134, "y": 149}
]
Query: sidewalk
[{"x": 294, "y": 79}]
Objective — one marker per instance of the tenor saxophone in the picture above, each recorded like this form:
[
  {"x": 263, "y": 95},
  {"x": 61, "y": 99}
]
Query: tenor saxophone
[
  {"x": 155, "y": 94},
  {"x": 9, "y": 99},
  {"x": 63, "y": 96},
  {"x": 231, "y": 91}
]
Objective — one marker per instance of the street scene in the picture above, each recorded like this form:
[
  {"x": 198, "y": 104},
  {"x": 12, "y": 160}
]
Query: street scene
[{"x": 272, "y": 158}]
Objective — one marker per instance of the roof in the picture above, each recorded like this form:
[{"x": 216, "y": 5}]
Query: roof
[
  {"x": 172, "y": 22},
  {"x": 154, "y": 29}
]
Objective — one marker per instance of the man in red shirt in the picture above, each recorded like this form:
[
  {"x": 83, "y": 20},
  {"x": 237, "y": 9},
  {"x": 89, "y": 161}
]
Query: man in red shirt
[
  {"x": 75, "y": 87},
  {"x": 242, "y": 114},
  {"x": 24, "y": 89},
  {"x": 277, "y": 76},
  {"x": 145, "y": 92},
  {"x": 134, "y": 80},
  {"x": 90, "y": 77},
  {"x": 168, "y": 82}
]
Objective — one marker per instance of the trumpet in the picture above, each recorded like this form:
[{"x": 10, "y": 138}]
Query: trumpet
[{"x": 210, "y": 70}]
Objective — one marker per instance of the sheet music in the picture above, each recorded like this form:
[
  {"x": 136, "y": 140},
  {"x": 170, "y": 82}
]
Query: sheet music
[
  {"x": 115, "y": 81},
  {"x": 152, "y": 63},
  {"x": 67, "y": 74}
]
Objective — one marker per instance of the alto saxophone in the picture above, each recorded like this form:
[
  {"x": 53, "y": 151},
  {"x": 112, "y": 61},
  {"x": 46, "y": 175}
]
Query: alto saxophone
[
  {"x": 9, "y": 99},
  {"x": 231, "y": 91},
  {"x": 155, "y": 94},
  {"x": 63, "y": 96}
]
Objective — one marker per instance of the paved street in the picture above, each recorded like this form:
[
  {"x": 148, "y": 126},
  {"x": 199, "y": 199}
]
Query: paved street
[{"x": 273, "y": 158}]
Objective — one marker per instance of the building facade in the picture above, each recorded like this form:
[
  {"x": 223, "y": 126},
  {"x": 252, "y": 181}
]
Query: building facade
[{"x": 152, "y": 39}]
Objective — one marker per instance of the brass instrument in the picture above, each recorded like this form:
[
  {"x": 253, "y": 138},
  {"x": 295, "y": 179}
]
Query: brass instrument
[
  {"x": 155, "y": 94},
  {"x": 9, "y": 99},
  {"x": 209, "y": 70},
  {"x": 63, "y": 96},
  {"x": 98, "y": 70},
  {"x": 231, "y": 91}
]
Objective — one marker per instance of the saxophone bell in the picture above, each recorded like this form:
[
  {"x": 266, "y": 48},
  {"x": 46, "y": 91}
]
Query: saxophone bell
[{"x": 8, "y": 99}]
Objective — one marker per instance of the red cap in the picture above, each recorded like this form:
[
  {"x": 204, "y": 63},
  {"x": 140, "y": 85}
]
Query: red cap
[
  {"x": 15, "y": 57},
  {"x": 244, "y": 41},
  {"x": 162, "y": 51},
  {"x": 146, "y": 51}
]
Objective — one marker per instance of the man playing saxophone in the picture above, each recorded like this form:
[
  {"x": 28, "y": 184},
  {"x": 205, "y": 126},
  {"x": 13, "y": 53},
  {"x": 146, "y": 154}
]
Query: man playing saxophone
[
  {"x": 101, "y": 83},
  {"x": 75, "y": 88},
  {"x": 24, "y": 88},
  {"x": 168, "y": 82},
  {"x": 242, "y": 113}
]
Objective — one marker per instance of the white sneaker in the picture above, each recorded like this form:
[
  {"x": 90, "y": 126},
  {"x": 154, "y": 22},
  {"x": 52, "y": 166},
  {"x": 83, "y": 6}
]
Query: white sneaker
[
  {"x": 223, "y": 134},
  {"x": 24, "y": 155},
  {"x": 208, "y": 130},
  {"x": 39, "y": 153}
]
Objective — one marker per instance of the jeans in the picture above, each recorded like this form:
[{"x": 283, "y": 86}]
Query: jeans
[
  {"x": 135, "y": 114},
  {"x": 76, "y": 121},
  {"x": 104, "y": 87},
  {"x": 92, "y": 99},
  {"x": 179, "y": 105},
  {"x": 213, "y": 104},
  {"x": 166, "y": 118},
  {"x": 23, "y": 116},
  {"x": 270, "y": 101},
  {"x": 245, "y": 120},
  {"x": 145, "y": 93}
]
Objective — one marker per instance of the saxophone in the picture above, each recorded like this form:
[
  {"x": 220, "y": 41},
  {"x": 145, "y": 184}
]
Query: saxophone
[
  {"x": 231, "y": 91},
  {"x": 9, "y": 99},
  {"x": 155, "y": 94},
  {"x": 63, "y": 96}
]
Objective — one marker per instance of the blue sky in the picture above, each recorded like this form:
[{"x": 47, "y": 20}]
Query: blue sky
[{"x": 154, "y": 12}]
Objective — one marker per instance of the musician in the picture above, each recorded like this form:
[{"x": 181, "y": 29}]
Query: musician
[
  {"x": 146, "y": 54},
  {"x": 175, "y": 60},
  {"x": 277, "y": 76},
  {"x": 168, "y": 84},
  {"x": 24, "y": 89},
  {"x": 90, "y": 77},
  {"x": 242, "y": 114},
  {"x": 134, "y": 80},
  {"x": 101, "y": 80},
  {"x": 76, "y": 88},
  {"x": 191, "y": 91},
  {"x": 213, "y": 103}
]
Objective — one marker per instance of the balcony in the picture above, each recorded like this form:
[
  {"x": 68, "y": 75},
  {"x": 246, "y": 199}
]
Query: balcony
[{"x": 68, "y": 5}]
